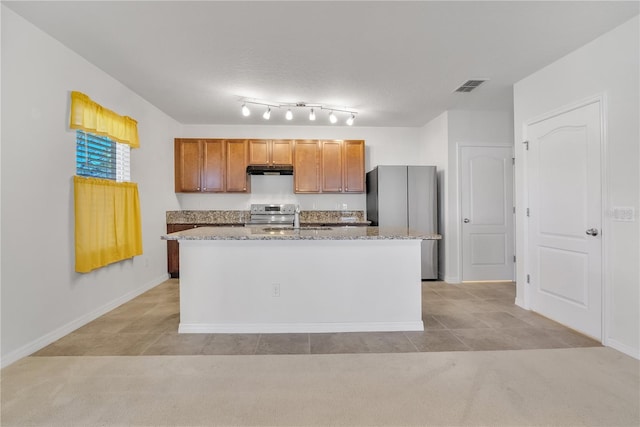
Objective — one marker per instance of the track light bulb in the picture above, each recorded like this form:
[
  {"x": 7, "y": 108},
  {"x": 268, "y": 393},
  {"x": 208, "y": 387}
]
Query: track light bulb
[
  {"x": 351, "y": 119},
  {"x": 289, "y": 115},
  {"x": 267, "y": 114},
  {"x": 312, "y": 115},
  {"x": 332, "y": 117},
  {"x": 245, "y": 110}
]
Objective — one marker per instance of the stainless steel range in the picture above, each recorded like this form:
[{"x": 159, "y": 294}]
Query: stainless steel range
[{"x": 272, "y": 215}]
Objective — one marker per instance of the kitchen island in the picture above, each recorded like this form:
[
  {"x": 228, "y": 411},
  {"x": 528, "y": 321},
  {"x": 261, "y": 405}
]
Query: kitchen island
[{"x": 314, "y": 279}]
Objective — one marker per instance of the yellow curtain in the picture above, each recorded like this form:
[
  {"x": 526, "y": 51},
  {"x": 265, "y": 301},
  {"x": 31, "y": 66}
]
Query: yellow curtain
[
  {"x": 107, "y": 221},
  {"x": 92, "y": 117}
]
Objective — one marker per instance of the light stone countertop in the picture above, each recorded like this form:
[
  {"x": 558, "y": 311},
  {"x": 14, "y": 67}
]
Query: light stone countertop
[
  {"x": 222, "y": 217},
  {"x": 303, "y": 233}
]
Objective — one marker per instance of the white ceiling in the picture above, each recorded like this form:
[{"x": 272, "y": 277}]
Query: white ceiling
[{"x": 396, "y": 63}]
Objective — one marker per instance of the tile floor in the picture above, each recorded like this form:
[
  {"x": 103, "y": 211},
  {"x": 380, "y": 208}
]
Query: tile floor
[{"x": 464, "y": 317}]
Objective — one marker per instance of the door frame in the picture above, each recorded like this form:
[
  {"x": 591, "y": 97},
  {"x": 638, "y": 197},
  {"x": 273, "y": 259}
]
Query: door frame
[
  {"x": 458, "y": 205},
  {"x": 525, "y": 300}
]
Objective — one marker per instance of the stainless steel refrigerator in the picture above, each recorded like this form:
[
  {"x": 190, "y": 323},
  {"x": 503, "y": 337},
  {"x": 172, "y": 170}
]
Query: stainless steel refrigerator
[{"x": 406, "y": 196}]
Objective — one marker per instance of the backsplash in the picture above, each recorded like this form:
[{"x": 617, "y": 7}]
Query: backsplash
[
  {"x": 320, "y": 217},
  {"x": 270, "y": 189},
  {"x": 207, "y": 217}
]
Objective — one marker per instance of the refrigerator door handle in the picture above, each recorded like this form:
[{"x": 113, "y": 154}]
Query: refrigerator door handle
[{"x": 466, "y": 220}]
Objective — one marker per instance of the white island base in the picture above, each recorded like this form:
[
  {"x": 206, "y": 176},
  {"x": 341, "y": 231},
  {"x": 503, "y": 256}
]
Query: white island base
[{"x": 269, "y": 286}]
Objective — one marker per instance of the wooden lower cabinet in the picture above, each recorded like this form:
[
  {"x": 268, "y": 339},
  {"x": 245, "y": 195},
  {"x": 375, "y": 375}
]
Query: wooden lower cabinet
[{"x": 173, "y": 252}]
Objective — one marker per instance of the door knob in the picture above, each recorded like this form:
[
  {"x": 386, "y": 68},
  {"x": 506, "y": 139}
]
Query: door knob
[
  {"x": 592, "y": 232},
  {"x": 466, "y": 220}
]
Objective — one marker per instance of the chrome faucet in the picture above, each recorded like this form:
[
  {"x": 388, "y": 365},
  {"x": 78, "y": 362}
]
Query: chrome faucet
[{"x": 296, "y": 217}]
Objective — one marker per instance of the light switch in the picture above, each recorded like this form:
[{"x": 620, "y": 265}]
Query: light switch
[{"x": 623, "y": 213}]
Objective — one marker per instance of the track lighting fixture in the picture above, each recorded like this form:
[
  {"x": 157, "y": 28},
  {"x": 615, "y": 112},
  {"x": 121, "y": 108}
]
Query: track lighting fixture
[
  {"x": 290, "y": 106},
  {"x": 350, "y": 120}
]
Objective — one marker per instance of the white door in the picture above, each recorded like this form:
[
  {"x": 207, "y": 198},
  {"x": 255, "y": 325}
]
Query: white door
[
  {"x": 565, "y": 246},
  {"x": 486, "y": 196}
]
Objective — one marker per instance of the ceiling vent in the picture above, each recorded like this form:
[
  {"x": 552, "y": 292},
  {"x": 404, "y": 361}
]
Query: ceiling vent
[{"x": 470, "y": 85}]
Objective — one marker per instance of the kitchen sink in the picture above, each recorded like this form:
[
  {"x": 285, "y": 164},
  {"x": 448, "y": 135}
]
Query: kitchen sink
[{"x": 292, "y": 229}]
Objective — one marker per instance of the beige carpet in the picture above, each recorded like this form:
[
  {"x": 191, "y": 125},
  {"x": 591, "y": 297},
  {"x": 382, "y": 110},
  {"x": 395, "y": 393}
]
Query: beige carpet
[{"x": 568, "y": 387}]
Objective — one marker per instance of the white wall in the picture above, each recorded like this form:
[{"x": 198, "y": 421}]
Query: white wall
[
  {"x": 439, "y": 140},
  {"x": 607, "y": 66},
  {"x": 42, "y": 297},
  {"x": 384, "y": 146}
]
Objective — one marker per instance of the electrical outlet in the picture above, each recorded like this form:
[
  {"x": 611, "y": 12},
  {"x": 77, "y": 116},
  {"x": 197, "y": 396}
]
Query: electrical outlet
[
  {"x": 623, "y": 213},
  {"x": 275, "y": 290}
]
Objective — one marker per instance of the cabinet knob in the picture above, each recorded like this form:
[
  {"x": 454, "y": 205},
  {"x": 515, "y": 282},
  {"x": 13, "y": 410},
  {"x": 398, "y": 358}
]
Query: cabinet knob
[{"x": 198, "y": 188}]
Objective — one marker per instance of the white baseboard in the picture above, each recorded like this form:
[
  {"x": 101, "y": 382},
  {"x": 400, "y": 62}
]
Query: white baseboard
[
  {"x": 452, "y": 279},
  {"x": 520, "y": 303},
  {"x": 623, "y": 348},
  {"x": 63, "y": 330},
  {"x": 271, "y": 328}
]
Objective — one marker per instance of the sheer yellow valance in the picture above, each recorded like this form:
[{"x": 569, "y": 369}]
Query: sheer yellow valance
[
  {"x": 92, "y": 117},
  {"x": 107, "y": 222}
]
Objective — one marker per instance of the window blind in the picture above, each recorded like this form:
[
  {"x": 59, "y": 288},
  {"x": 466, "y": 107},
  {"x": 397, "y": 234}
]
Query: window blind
[{"x": 98, "y": 156}]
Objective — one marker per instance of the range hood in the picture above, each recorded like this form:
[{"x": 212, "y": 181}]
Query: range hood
[{"x": 270, "y": 170}]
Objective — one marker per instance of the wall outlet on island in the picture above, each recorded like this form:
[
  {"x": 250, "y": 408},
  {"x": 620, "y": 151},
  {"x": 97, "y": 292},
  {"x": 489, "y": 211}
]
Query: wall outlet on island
[{"x": 275, "y": 290}]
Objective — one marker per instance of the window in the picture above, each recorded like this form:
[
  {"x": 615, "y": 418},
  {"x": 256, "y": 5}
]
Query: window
[{"x": 99, "y": 156}]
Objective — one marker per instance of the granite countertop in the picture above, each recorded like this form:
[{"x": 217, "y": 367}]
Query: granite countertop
[
  {"x": 304, "y": 233},
  {"x": 221, "y": 217}
]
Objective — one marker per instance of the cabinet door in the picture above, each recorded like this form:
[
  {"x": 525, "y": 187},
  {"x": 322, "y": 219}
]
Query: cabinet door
[
  {"x": 282, "y": 152},
  {"x": 306, "y": 164},
  {"x": 213, "y": 165},
  {"x": 354, "y": 175},
  {"x": 187, "y": 165},
  {"x": 331, "y": 166},
  {"x": 259, "y": 152},
  {"x": 236, "y": 170}
]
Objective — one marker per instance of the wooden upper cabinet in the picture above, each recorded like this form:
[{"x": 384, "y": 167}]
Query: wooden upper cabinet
[
  {"x": 219, "y": 165},
  {"x": 213, "y": 163},
  {"x": 187, "y": 159},
  {"x": 332, "y": 166},
  {"x": 353, "y": 158},
  {"x": 306, "y": 166},
  {"x": 259, "y": 151},
  {"x": 282, "y": 152},
  {"x": 236, "y": 167},
  {"x": 270, "y": 152},
  {"x": 210, "y": 165}
]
